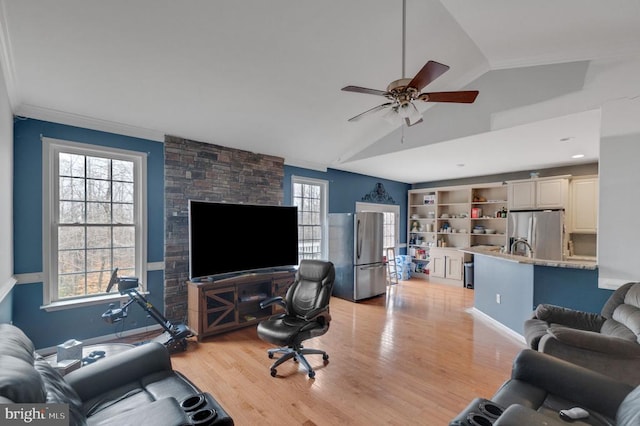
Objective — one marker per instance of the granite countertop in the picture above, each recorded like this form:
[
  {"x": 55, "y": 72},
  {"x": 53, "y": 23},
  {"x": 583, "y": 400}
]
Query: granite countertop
[{"x": 495, "y": 252}]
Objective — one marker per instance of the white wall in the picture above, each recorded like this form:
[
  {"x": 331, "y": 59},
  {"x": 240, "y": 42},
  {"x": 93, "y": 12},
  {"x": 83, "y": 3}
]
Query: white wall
[
  {"x": 619, "y": 209},
  {"x": 6, "y": 191}
]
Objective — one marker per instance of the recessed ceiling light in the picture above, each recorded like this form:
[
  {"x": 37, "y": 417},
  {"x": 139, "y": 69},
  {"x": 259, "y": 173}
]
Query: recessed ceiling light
[
  {"x": 460, "y": 164},
  {"x": 577, "y": 156},
  {"x": 567, "y": 139}
]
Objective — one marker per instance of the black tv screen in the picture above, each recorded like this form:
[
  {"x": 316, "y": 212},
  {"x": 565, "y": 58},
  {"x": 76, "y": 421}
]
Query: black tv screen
[{"x": 226, "y": 238}]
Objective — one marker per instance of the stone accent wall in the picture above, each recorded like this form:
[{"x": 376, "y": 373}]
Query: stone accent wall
[{"x": 207, "y": 172}]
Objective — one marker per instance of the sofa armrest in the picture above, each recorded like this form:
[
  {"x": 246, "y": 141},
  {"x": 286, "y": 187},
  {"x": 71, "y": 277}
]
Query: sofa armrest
[
  {"x": 596, "y": 342},
  {"x": 569, "y": 381},
  {"x": 120, "y": 369},
  {"x": 518, "y": 415},
  {"x": 553, "y": 314},
  {"x": 534, "y": 330}
]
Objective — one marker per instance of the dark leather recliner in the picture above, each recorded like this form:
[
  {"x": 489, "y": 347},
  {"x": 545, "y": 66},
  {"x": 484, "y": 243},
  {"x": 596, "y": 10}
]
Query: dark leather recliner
[
  {"x": 136, "y": 387},
  {"x": 306, "y": 315},
  {"x": 608, "y": 342},
  {"x": 541, "y": 385}
]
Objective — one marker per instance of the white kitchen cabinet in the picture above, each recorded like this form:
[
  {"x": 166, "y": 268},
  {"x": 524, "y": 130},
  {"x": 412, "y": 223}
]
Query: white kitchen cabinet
[
  {"x": 522, "y": 195},
  {"x": 584, "y": 205},
  {"x": 539, "y": 194},
  {"x": 447, "y": 263}
]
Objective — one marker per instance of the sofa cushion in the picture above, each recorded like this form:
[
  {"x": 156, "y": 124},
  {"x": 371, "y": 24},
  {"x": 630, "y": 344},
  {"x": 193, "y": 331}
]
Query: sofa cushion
[
  {"x": 58, "y": 391},
  {"x": 20, "y": 382},
  {"x": 14, "y": 343},
  {"x": 614, "y": 328},
  {"x": 629, "y": 411}
]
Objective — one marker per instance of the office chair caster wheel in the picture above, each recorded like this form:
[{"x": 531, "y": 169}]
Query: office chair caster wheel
[
  {"x": 325, "y": 357},
  {"x": 312, "y": 374},
  {"x": 274, "y": 372},
  {"x": 270, "y": 355}
]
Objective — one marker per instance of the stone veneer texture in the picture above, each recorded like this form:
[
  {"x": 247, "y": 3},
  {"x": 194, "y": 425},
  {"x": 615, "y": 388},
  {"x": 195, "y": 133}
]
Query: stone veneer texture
[{"x": 207, "y": 172}]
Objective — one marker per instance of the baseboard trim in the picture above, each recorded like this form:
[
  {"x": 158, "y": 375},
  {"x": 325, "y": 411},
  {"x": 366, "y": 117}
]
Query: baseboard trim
[
  {"x": 106, "y": 338},
  {"x": 496, "y": 324}
]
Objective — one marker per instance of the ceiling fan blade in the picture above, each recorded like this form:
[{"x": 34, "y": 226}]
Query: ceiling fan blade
[
  {"x": 358, "y": 89},
  {"x": 427, "y": 74},
  {"x": 369, "y": 111},
  {"x": 409, "y": 124},
  {"x": 462, "y": 97}
]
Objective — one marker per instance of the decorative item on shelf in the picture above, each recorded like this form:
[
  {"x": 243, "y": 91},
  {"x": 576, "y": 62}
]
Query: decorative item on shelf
[
  {"x": 429, "y": 199},
  {"x": 479, "y": 199},
  {"x": 414, "y": 226},
  {"x": 476, "y": 213},
  {"x": 478, "y": 229},
  {"x": 432, "y": 215}
]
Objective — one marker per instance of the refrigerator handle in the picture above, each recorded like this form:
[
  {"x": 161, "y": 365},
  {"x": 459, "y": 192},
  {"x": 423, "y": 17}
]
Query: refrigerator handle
[
  {"x": 374, "y": 266},
  {"x": 533, "y": 230},
  {"x": 358, "y": 240}
]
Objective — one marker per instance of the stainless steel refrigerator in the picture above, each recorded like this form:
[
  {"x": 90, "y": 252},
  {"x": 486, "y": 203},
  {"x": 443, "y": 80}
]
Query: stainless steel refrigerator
[
  {"x": 355, "y": 248},
  {"x": 543, "y": 230}
]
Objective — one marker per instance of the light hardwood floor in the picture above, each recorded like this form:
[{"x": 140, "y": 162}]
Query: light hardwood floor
[{"x": 413, "y": 357}]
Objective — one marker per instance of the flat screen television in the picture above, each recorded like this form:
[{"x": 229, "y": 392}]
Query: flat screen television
[{"x": 237, "y": 238}]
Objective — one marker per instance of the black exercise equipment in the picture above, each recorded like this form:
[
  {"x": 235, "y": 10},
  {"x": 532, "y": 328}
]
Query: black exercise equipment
[{"x": 174, "y": 336}]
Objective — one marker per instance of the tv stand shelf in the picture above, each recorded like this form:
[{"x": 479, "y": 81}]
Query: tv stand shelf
[{"x": 230, "y": 303}]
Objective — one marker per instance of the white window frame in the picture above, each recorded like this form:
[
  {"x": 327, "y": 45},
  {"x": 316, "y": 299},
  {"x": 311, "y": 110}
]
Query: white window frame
[
  {"x": 50, "y": 150},
  {"x": 324, "y": 202},
  {"x": 384, "y": 208}
]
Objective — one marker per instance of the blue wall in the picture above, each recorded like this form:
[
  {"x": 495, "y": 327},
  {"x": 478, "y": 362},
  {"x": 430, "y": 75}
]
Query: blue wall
[
  {"x": 50, "y": 328},
  {"x": 345, "y": 189},
  {"x": 514, "y": 283},
  {"x": 571, "y": 288},
  {"x": 522, "y": 287}
]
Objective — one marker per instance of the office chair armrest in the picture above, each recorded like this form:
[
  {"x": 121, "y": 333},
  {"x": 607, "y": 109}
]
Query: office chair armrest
[
  {"x": 278, "y": 300},
  {"x": 314, "y": 314}
]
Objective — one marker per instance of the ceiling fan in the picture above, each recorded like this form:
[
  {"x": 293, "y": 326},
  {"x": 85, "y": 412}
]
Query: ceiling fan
[{"x": 403, "y": 92}]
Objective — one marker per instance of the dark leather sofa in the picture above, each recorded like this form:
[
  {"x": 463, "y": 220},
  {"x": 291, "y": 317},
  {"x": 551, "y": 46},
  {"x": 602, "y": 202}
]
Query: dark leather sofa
[
  {"x": 137, "y": 387},
  {"x": 542, "y": 385}
]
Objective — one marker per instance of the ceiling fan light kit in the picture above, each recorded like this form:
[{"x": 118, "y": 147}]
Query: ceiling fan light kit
[{"x": 403, "y": 92}]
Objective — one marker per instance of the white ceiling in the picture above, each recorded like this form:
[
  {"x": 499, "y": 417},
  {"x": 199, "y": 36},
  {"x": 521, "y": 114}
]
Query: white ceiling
[{"x": 266, "y": 76}]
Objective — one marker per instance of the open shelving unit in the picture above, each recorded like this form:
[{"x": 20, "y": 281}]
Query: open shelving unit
[{"x": 442, "y": 218}]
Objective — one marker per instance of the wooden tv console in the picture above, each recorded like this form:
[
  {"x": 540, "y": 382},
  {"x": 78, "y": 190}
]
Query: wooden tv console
[{"x": 230, "y": 303}]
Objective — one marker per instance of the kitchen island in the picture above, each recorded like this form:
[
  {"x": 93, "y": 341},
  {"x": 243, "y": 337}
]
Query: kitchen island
[{"x": 507, "y": 287}]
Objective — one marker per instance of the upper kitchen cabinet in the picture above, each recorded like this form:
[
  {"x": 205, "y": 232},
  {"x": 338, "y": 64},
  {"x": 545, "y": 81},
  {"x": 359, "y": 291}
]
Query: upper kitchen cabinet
[
  {"x": 583, "y": 216},
  {"x": 552, "y": 193}
]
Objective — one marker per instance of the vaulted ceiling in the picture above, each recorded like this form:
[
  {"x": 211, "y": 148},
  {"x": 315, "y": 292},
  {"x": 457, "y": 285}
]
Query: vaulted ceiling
[{"x": 266, "y": 77}]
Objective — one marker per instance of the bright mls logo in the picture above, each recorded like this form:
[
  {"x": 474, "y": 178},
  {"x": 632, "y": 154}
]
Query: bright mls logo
[{"x": 35, "y": 414}]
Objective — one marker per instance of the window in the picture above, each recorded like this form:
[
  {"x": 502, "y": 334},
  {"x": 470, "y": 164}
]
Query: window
[
  {"x": 310, "y": 196},
  {"x": 391, "y": 223},
  {"x": 93, "y": 218}
]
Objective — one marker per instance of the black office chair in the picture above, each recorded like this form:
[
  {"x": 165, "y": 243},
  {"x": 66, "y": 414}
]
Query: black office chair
[{"x": 306, "y": 314}]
